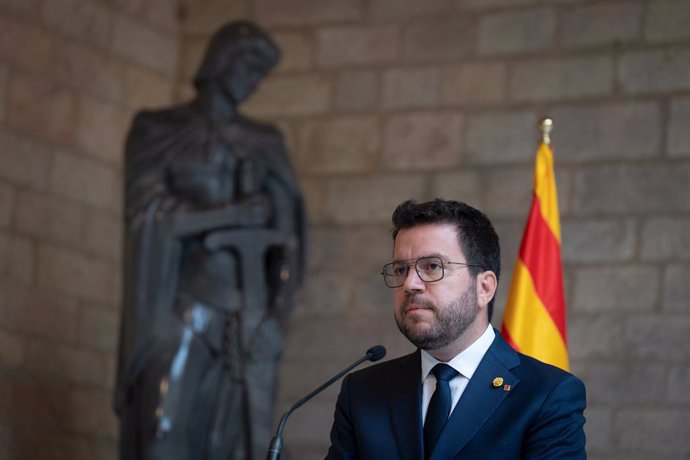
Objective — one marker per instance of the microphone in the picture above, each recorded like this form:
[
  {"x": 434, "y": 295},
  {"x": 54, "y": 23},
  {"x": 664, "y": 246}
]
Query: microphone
[{"x": 372, "y": 354}]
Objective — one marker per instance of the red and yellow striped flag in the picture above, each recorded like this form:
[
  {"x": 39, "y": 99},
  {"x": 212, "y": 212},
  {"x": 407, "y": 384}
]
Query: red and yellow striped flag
[{"x": 534, "y": 319}]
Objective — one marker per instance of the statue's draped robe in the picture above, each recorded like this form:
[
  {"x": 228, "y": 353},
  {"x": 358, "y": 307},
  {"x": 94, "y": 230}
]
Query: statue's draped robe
[{"x": 186, "y": 356}]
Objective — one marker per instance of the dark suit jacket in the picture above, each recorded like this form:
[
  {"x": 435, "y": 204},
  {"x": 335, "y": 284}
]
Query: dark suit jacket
[{"x": 537, "y": 412}]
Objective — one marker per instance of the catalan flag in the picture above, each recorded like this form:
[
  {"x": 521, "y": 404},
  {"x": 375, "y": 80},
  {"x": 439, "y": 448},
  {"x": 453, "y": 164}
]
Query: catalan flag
[{"x": 534, "y": 321}]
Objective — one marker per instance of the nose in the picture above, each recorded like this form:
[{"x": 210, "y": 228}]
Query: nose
[{"x": 413, "y": 283}]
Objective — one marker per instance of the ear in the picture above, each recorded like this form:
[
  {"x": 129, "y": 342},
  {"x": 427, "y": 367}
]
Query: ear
[{"x": 486, "y": 287}]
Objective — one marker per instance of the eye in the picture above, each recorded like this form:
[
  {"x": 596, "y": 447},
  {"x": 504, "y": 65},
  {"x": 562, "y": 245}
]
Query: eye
[
  {"x": 399, "y": 269},
  {"x": 431, "y": 265}
]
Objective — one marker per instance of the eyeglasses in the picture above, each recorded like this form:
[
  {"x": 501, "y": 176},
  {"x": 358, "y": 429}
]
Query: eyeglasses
[{"x": 429, "y": 269}]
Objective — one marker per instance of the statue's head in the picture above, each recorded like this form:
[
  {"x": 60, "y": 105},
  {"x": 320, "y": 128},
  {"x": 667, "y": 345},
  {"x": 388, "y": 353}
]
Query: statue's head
[{"x": 238, "y": 57}]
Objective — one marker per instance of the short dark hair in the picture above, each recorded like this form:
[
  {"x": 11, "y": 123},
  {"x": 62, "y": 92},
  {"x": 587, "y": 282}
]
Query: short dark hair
[{"x": 476, "y": 236}]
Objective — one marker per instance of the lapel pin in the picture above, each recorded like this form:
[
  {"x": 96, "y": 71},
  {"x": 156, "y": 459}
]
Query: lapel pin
[
  {"x": 506, "y": 387},
  {"x": 498, "y": 381}
]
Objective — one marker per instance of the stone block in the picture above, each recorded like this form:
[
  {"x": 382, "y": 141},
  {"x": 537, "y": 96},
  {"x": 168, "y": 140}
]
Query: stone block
[
  {"x": 86, "y": 181},
  {"x": 315, "y": 192},
  {"x": 677, "y": 289},
  {"x": 24, "y": 8},
  {"x": 84, "y": 20},
  {"x": 27, "y": 44},
  {"x": 25, "y": 162},
  {"x": 12, "y": 351},
  {"x": 192, "y": 51},
  {"x": 89, "y": 70},
  {"x": 102, "y": 129},
  {"x": 96, "y": 417},
  {"x": 423, "y": 141},
  {"x": 371, "y": 298},
  {"x": 145, "y": 45},
  {"x": 345, "y": 144},
  {"x": 42, "y": 108},
  {"x": 49, "y": 217},
  {"x": 639, "y": 187},
  {"x": 598, "y": 428},
  {"x": 164, "y": 13},
  {"x": 39, "y": 312},
  {"x": 36, "y": 444},
  {"x": 502, "y": 137},
  {"x": 65, "y": 364},
  {"x": 297, "y": 51},
  {"x": 290, "y": 95},
  {"x": 463, "y": 186},
  {"x": 204, "y": 17},
  {"x": 665, "y": 238},
  {"x": 600, "y": 240},
  {"x": 665, "y": 430},
  {"x": 515, "y": 32},
  {"x": 558, "y": 79},
  {"x": 300, "y": 12},
  {"x": 411, "y": 88},
  {"x": 354, "y": 45},
  {"x": 667, "y": 20},
  {"x": 17, "y": 259},
  {"x": 74, "y": 274},
  {"x": 325, "y": 294},
  {"x": 657, "y": 338},
  {"x": 36, "y": 404},
  {"x": 146, "y": 89},
  {"x": 607, "y": 23},
  {"x": 647, "y": 72},
  {"x": 616, "y": 131},
  {"x": 371, "y": 199},
  {"x": 98, "y": 329},
  {"x": 619, "y": 288},
  {"x": 7, "y": 199},
  {"x": 474, "y": 83},
  {"x": 643, "y": 384},
  {"x": 102, "y": 235},
  {"x": 356, "y": 90},
  {"x": 410, "y": 9},
  {"x": 595, "y": 336},
  {"x": 678, "y": 382},
  {"x": 678, "y": 128},
  {"x": 442, "y": 39},
  {"x": 509, "y": 192}
]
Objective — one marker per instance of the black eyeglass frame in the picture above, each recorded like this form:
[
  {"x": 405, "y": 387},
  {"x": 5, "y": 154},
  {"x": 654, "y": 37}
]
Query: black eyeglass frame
[{"x": 416, "y": 268}]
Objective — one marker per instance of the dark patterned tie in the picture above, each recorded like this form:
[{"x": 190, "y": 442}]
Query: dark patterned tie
[{"x": 439, "y": 407}]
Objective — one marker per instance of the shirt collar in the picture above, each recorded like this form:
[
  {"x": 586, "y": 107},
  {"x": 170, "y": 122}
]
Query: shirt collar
[{"x": 467, "y": 361}]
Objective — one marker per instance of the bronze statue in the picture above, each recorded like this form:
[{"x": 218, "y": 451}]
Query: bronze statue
[{"x": 214, "y": 252}]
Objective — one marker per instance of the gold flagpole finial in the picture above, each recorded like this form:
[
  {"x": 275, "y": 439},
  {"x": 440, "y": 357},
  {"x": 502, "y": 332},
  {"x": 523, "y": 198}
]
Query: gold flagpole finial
[{"x": 546, "y": 126}]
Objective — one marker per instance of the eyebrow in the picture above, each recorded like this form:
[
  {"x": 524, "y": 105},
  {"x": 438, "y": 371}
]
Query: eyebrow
[{"x": 440, "y": 256}]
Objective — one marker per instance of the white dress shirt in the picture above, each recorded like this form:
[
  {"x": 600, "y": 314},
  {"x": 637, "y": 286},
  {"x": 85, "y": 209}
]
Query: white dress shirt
[{"x": 465, "y": 363}]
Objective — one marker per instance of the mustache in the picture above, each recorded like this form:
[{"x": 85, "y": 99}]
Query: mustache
[{"x": 414, "y": 298}]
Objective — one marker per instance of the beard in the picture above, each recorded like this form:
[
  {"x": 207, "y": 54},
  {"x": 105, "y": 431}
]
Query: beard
[{"x": 452, "y": 320}]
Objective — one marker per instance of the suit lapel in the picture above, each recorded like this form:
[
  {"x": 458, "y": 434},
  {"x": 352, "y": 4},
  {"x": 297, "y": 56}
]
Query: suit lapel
[
  {"x": 405, "y": 402},
  {"x": 479, "y": 400}
]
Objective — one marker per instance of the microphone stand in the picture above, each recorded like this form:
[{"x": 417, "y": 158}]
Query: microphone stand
[{"x": 276, "y": 446}]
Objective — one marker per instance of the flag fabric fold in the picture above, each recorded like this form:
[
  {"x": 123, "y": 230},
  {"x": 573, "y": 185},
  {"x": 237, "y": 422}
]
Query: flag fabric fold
[{"x": 534, "y": 322}]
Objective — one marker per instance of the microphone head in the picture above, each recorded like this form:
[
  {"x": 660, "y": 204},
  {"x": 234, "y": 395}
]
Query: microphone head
[{"x": 376, "y": 352}]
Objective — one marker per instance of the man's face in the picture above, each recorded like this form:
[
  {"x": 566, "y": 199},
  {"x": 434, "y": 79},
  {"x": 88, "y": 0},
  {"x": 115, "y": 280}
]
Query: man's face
[{"x": 433, "y": 314}]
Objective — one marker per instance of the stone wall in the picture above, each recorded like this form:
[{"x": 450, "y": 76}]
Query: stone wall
[
  {"x": 380, "y": 100},
  {"x": 72, "y": 73},
  {"x": 383, "y": 100}
]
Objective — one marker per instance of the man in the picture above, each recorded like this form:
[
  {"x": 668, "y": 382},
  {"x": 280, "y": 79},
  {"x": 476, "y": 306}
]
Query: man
[
  {"x": 214, "y": 252},
  {"x": 464, "y": 394}
]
